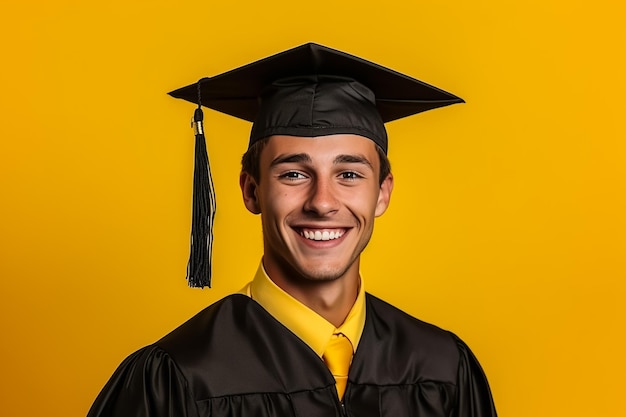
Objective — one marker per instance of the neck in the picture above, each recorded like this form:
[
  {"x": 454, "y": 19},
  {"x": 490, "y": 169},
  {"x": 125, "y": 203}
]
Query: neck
[{"x": 330, "y": 298}]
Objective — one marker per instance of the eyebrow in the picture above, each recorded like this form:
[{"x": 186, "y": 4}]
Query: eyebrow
[
  {"x": 353, "y": 159},
  {"x": 291, "y": 158},
  {"x": 306, "y": 158}
]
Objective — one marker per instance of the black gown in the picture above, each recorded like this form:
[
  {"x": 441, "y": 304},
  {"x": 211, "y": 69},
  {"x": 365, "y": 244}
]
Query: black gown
[{"x": 235, "y": 359}]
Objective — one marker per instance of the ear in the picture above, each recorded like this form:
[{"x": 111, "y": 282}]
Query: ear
[
  {"x": 249, "y": 192},
  {"x": 384, "y": 195}
]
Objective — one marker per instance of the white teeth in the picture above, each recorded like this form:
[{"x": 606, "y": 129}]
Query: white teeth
[{"x": 325, "y": 235}]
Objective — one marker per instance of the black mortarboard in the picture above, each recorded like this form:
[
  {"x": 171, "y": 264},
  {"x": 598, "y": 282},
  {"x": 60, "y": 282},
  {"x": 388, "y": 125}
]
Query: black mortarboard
[{"x": 307, "y": 91}]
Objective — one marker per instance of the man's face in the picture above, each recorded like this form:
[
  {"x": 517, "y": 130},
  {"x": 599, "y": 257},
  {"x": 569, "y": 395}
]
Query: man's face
[{"x": 318, "y": 198}]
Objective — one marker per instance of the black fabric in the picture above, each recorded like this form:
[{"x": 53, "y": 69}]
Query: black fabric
[
  {"x": 237, "y": 91},
  {"x": 234, "y": 359},
  {"x": 318, "y": 105}
]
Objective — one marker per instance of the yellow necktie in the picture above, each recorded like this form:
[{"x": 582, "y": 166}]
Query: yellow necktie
[{"x": 337, "y": 356}]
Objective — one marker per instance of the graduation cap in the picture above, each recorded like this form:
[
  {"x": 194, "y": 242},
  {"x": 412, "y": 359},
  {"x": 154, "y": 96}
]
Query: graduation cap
[{"x": 307, "y": 91}]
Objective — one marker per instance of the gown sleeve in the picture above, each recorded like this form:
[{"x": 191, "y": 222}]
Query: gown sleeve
[
  {"x": 147, "y": 384},
  {"x": 474, "y": 395}
]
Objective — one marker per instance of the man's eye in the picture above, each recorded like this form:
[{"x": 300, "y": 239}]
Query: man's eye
[
  {"x": 350, "y": 175},
  {"x": 292, "y": 175}
]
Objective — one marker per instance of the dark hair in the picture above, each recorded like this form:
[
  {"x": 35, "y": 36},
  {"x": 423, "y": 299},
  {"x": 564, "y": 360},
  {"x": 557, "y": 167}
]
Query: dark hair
[{"x": 250, "y": 161}]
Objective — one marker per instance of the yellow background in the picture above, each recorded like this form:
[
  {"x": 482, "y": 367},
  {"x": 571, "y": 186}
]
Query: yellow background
[{"x": 507, "y": 222}]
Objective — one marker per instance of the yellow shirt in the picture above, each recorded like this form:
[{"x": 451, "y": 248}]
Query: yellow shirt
[{"x": 313, "y": 329}]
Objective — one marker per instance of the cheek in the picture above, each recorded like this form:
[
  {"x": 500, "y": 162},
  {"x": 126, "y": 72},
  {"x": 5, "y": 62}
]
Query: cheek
[
  {"x": 283, "y": 200},
  {"x": 277, "y": 205},
  {"x": 364, "y": 203}
]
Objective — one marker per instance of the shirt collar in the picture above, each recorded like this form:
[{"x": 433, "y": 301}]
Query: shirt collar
[{"x": 305, "y": 323}]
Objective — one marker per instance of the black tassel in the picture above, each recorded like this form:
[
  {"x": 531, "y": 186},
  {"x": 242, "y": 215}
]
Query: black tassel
[{"x": 203, "y": 215}]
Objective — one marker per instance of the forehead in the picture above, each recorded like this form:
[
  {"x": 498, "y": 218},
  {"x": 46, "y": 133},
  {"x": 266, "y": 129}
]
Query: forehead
[{"x": 319, "y": 148}]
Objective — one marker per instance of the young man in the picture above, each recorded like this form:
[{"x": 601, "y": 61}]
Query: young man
[{"x": 303, "y": 338}]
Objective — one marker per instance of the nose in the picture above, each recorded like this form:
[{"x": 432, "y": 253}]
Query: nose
[{"x": 321, "y": 200}]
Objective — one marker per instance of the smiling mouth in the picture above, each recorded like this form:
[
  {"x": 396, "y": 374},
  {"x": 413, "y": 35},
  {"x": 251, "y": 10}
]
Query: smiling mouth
[{"x": 325, "y": 234}]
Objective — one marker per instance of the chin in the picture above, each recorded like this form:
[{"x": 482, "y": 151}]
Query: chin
[
  {"x": 321, "y": 276},
  {"x": 322, "y": 273}
]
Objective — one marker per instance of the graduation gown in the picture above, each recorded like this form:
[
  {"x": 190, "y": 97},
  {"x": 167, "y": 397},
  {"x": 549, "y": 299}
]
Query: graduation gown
[{"x": 235, "y": 359}]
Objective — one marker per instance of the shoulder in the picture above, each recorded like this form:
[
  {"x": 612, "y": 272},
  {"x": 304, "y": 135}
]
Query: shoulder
[
  {"x": 147, "y": 382},
  {"x": 413, "y": 343},
  {"x": 236, "y": 346},
  {"x": 232, "y": 309},
  {"x": 216, "y": 329},
  {"x": 388, "y": 318},
  {"x": 397, "y": 349}
]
